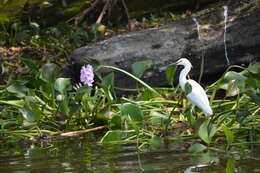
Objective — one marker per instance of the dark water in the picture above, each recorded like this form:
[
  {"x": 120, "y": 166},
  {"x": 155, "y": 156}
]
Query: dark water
[{"x": 85, "y": 155}]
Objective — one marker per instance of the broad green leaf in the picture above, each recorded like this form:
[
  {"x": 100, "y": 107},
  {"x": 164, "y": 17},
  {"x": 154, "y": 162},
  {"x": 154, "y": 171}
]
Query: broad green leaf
[
  {"x": 132, "y": 110},
  {"x": 110, "y": 136},
  {"x": 233, "y": 83},
  {"x": 30, "y": 115},
  {"x": 62, "y": 84},
  {"x": 230, "y": 168},
  {"x": 49, "y": 72},
  {"x": 133, "y": 124},
  {"x": 204, "y": 132},
  {"x": 255, "y": 97},
  {"x": 187, "y": 88},
  {"x": 158, "y": 119},
  {"x": 108, "y": 80},
  {"x": 147, "y": 94},
  {"x": 17, "y": 89},
  {"x": 115, "y": 121},
  {"x": 138, "y": 68},
  {"x": 231, "y": 75},
  {"x": 156, "y": 142},
  {"x": 253, "y": 82},
  {"x": 212, "y": 130},
  {"x": 233, "y": 89},
  {"x": 196, "y": 148},
  {"x": 170, "y": 71},
  {"x": 254, "y": 68},
  {"x": 229, "y": 135}
]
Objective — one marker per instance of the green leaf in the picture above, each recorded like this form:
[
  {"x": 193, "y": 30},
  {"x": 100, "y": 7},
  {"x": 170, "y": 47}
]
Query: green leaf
[
  {"x": 138, "y": 68},
  {"x": 132, "y": 110},
  {"x": 110, "y": 136},
  {"x": 203, "y": 132},
  {"x": 212, "y": 130},
  {"x": 109, "y": 80},
  {"x": 230, "y": 168},
  {"x": 187, "y": 88},
  {"x": 229, "y": 135},
  {"x": 254, "y": 68},
  {"x": 156, "y": 142},
  {"x": 115, "y": 121},
  {"x": 49, "y": 72},
  {"x": 147, "y": 94},
  {"x": 31, "y": 115},
  {"x": 207, "y": 131},
  {"x": 170, "y": 71},
  {"x": 17, "y": 89},
  {"x": 255, "y": 97},
  {"x": 232, "y": 89},
  {"x": 196, "y": 148},
  {"x": 233, "y": 83},
  {"x": 253, "y": 82},
  {"x": 158, "y": 119},
  {"x": 62, "y": 84}
]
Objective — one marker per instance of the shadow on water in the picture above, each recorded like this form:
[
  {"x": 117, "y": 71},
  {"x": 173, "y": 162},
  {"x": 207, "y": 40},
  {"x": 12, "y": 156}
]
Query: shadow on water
[{"x": 84, "y": 155}]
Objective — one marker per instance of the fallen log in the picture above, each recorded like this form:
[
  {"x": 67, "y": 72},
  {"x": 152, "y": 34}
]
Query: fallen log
[{"x": 197, "y": 36}]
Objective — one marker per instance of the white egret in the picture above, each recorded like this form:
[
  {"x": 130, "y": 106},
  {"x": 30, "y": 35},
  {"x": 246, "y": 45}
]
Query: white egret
[{"x": 197, "y": 95}]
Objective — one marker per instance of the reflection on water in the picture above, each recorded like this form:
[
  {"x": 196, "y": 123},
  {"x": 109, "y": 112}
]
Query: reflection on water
[{"x": 85, "y": 155}]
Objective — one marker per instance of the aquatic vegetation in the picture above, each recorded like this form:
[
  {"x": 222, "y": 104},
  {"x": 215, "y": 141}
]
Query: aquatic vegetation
[
  {"x": 45, "y": 102},
  {"x": 87, "y": 75}
]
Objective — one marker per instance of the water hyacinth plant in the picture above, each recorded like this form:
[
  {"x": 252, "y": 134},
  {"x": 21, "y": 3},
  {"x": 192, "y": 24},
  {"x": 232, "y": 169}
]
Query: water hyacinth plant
[
  {"x": 44, "y": 102},
  {"x": 87, "y": 75}
]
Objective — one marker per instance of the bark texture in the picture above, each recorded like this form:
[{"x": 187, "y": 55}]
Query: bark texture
[{"x": 181, "y": 38}]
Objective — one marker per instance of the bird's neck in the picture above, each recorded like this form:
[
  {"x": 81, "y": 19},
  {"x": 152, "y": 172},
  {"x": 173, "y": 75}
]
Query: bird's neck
[{"x": 183, "y": 76}]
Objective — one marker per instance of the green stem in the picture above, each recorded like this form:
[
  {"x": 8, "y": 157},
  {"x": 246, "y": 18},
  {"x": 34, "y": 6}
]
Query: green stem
[
  {"x": 134, "y": 77},
  {"x": 201, "y": 67}
]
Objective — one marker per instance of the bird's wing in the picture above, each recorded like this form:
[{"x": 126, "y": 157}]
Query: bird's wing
[{"x": 198, "y": 96}]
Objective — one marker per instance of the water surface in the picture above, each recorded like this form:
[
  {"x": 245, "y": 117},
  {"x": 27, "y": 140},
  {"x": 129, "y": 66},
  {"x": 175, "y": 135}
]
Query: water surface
[{"x": 83, "y": 154}]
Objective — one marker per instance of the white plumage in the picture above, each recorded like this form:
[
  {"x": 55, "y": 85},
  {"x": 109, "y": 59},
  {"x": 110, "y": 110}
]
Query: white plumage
[{"x": 197, "y": 96}]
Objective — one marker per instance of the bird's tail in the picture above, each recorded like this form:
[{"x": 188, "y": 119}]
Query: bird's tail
[{"x": 208, "y": 111}]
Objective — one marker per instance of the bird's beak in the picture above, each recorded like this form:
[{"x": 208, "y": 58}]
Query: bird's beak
[
  {"x": 175, "y": 63},
  {"x": 166, "y": 66}
]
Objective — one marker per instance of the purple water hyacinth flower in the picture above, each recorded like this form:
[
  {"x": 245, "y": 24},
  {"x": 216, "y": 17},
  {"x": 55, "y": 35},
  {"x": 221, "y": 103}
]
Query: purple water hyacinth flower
[{"x": 87, "y": 75}]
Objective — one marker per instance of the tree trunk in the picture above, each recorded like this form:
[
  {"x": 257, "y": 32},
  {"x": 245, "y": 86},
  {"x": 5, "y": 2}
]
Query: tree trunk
[{"x": 181, "y": 38}]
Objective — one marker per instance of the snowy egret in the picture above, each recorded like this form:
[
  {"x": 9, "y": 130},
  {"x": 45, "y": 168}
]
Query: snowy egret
[{"x": 197, "y": 95}]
